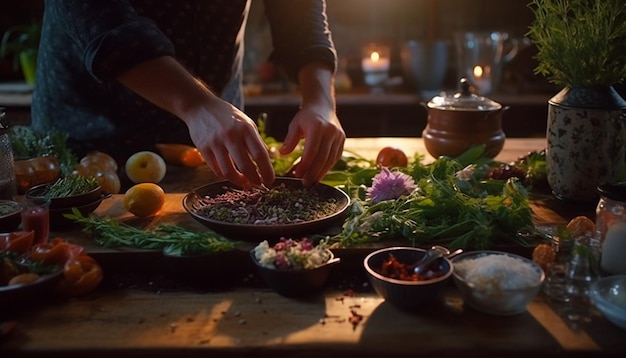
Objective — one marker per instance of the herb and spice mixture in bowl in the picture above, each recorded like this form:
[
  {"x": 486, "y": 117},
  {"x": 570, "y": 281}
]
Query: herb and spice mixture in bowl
[
  {"x": 286, "y": 209},
  {"x": 72, "y": 191},
  {"x": 496, "y": 282},
  {"x": 76, "y": 191},
  {"x": 10, "y": 217},
  {"x": 294, "y": 267},
  {"x": 389, "y": 270}
]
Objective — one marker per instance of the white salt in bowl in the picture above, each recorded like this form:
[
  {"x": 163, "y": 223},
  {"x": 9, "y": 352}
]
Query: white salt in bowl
[{"x": 497, "y": 282}]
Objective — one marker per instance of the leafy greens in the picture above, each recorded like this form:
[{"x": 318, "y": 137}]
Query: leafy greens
[
  {"x": 173, "y": 240},
  {"x": 444, "y": 209}
]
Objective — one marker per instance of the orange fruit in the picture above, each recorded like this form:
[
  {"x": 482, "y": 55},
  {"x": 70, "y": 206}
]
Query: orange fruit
[
  {"x": 180, "y": 154},
  {"x": 144, "y": 199},
  {"x": 543, "y": 255},
  {"x": 580, "y": 226}
]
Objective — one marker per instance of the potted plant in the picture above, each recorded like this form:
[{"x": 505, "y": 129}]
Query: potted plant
[
  {"x": 581, "y": 46},
  {"x": 22, "y": 42}
]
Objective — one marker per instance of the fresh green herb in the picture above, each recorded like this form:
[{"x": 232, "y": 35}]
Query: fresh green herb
[
  {"x": 173, "y": 240},
  {"x": 28, "y": 143},
  {"x": 7, "y": 208},
  {"x": 282, "y": 164},
  {"x": 70, "y": 186},
  {"x": 445, "y": 210},
  {"x": 580, "y": 42},
  {"x": 534, "y": 166},
  {"x": 38, "y": 267}
]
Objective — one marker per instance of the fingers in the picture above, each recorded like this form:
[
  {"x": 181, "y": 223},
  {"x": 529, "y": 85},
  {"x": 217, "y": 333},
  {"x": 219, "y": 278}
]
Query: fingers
[
  {"x": 318, "y": 158},
  {"x": 223, "y": 165},
  {"x": 317, "y": 172},
  {"x": 244, "y": 161}
]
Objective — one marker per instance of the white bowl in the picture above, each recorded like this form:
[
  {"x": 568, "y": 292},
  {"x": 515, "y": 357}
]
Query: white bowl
[
  {"x": 502, "y": 286},
  {"x": 608, "y": 295}
]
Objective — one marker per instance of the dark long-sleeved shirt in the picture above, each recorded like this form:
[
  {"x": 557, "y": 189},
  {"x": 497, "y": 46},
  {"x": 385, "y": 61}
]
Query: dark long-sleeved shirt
[{"x": 86, "y": 45}]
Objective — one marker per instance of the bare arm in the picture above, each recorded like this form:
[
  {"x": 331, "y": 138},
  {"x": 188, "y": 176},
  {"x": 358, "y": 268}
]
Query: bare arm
[{"x": 227, "y": 138}]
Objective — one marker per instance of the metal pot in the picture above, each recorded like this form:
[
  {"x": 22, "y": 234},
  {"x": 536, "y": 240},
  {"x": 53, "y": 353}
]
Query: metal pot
[{"x": 461, "y": 121}]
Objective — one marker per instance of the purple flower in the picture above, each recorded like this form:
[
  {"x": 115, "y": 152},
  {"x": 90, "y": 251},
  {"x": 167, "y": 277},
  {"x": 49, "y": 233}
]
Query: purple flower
[{"x": 388, "y": 185}]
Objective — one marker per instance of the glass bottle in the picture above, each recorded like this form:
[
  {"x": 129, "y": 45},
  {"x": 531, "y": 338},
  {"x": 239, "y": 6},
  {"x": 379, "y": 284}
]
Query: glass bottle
[
  {"x": 611, "y": 207},
  {"x": 8, "y": 188},
  {"x": 611, "y": 227}
]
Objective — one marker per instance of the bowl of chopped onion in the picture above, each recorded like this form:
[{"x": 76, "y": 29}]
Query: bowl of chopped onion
[
  {"x": 294, "y": 268},
  {"x": 390, "y": 271},
  {"x": 497, "y": 282}
]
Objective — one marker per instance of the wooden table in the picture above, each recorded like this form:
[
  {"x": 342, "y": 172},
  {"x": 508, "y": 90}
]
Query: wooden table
[{"x": 151, "y": 305}]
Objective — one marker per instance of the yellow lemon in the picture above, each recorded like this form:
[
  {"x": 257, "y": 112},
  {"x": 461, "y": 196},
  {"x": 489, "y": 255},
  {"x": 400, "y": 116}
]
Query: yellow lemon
[{"x": 144, "y": 199}]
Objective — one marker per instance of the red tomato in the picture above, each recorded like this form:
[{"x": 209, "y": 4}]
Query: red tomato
[
  {"x": 81, "y": 275},
  {"x": 56, "y": 251},
  {"x": 391, "y": 157},
  {"x": 19, "y": 242}
]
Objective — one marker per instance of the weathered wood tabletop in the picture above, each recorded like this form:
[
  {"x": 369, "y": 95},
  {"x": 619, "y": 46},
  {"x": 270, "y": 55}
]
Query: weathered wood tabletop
[{"x": 159, "y": 306}]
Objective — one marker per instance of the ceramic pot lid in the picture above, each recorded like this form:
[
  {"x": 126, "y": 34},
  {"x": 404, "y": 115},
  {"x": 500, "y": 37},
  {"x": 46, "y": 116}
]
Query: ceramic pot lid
[{"x": 464, "y": 100}]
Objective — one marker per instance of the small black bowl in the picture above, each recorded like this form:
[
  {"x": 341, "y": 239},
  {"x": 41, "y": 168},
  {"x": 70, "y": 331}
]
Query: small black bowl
[
  {"x": 12, "y": 217},
  {"x": 41, "y": 289},
  {"x": 296, "y": 283},
  {"x": 79, "y": 200},
  {"x": 59, "y": 222},
  {"x": 406, "y": 295}
]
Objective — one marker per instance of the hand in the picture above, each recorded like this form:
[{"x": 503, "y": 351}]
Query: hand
[
  {"x": 228, "y": 140},
  {"x": 231, "y": 145},
  {"x": 323, "y": 146}
]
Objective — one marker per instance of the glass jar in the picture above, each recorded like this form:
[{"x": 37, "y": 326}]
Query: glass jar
[
  {"x": 8, "y": 188},
  {"x": 611, "y": 207},
  {"x": 611, "y": 227}
]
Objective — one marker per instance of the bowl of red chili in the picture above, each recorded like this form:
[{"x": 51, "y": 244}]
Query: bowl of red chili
[
  {"x": 285, "y": 209},
  {"x": 390, "y": 273}
]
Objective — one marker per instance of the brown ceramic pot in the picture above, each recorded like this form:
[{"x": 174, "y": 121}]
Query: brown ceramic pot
[{"x": 459, "y": 122}]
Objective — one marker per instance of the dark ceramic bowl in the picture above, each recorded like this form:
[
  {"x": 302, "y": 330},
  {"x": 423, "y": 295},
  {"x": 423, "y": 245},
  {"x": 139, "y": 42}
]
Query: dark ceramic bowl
[
  {"x": 10, "y": 217},
  {"x": 296, "y": 283},
  {"x": 79, "y": 200},
  {"x": 59, "y": 222},
  {"x": 404, "y": 294},
  {"x": 41, "y": 289},
  {"x": 328, "y": 225},
  {"x": 86, "y": 203}
]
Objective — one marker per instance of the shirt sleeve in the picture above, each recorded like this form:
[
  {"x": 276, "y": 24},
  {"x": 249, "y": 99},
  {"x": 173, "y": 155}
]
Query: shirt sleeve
[
  {"x": 111, "y": 35},
  {"x": 300, "y": 34}
]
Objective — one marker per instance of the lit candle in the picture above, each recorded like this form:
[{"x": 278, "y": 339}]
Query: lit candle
[
  {"x": 482, "y": 78},
  {"x": 375, "y": 62}
]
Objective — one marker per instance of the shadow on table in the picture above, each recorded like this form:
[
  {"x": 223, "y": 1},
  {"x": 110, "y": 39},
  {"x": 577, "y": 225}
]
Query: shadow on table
[{"x": 448, "y": 326}]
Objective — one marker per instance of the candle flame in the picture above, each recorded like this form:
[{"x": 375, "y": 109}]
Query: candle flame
[
  {"x": 375, "y": 56},
  {"x": 478, "y": 71}
]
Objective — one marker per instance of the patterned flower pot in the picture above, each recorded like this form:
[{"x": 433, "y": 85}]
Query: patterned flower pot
[{"x": 586, "y": 133}]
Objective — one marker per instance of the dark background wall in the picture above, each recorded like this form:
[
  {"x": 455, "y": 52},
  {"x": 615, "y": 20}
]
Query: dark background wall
[{"x": 353, "y": 22}]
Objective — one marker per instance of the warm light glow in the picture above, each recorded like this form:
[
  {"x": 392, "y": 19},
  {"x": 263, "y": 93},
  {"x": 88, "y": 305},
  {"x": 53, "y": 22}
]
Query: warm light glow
[
  {"x": 478, "y": 72},
  {"x": 375, "y": 56}
]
